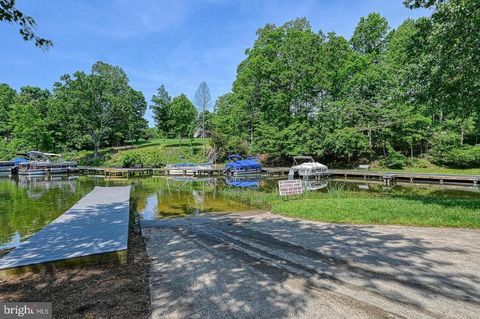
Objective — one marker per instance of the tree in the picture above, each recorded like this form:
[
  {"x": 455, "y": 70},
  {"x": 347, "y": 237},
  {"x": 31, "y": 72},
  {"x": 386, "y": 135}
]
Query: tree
[
  {"x": 452, "y": 62},
  {"x": 161, "y": 110},
  {"x": 422, "y": 3},
  {"x": 370, "y": 34},
  {"x": 29, "y": 129},
  {"x": 204, "y": 121},
  {"x": 137, "y": 124},
  {"x": 203, "y": 100},
  {"x": 347, "y": 143},
  {"x": 7, "y": 97},
  {"x": 9, "y": 13},
  {"x": 102, "y": 105},
  {"x": 183, "y": 116},
  {"x": 229, "y": 126}
]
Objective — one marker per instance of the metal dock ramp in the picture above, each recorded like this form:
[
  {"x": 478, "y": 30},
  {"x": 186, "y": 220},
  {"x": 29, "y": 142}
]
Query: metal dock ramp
[{"x": 94, "y": 230}]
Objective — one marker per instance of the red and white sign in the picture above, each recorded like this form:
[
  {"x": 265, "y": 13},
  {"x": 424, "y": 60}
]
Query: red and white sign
[{"x": 290, "y": 187}]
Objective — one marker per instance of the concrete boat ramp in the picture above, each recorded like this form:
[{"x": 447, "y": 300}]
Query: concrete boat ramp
[{"x": 93, "y": 230}]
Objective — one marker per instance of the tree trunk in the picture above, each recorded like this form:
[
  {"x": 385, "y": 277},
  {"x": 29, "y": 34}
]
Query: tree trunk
[
  {"x": 96, "y": 143},
  {"x": 369, "y": 136},
  {"x": 95, "y": 151}
]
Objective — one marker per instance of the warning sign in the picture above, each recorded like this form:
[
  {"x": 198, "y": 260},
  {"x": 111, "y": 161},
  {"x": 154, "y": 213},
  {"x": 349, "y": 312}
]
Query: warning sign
[{"x": 290, "y": 187}]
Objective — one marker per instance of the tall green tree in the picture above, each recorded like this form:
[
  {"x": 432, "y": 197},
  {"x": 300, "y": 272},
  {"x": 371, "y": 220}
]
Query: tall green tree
[
  {"x": 102, "y": 106},
  {"x": 161, "y": 110},
  {"x": 370, "y": 34},
  {"x": 7, "y": 98},
  {"x": 29, "y": 129},
  {"x": 183, "y": 116}
]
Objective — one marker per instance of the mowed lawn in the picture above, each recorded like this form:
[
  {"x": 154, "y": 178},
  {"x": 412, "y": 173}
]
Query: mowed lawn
[{"x": 355, "y": 208}]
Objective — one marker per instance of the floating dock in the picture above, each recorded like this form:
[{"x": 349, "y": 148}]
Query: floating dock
[
  {"x": 94, "y": 230},
  {"x": 387, "y": 177},
  {"x": 391, "y": 177}
]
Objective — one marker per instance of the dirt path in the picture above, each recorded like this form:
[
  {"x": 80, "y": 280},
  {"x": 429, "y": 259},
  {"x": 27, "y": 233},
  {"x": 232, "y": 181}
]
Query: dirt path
[{"x": 265, "y": 266}]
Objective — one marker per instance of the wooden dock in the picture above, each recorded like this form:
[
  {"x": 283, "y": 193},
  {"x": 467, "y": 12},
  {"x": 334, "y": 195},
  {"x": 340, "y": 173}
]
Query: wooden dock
[
  {"x": 117, "y": 172},
  {"x": 391, "y": 177},
  {"x": 93, "y": 230},
  {"x": 387, "y": 177}
]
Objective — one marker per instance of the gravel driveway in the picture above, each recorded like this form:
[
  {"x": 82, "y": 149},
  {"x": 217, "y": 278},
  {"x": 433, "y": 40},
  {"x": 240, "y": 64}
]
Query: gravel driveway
[{"x": 259, "y": 265}]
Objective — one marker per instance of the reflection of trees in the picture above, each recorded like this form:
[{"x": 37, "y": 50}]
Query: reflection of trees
[
  {"x": 37, "y": 185},
  {"x": 180, "y": 196},
  {"x": 28, "y": 204}
]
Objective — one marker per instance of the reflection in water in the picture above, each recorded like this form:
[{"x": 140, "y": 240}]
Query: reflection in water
[
  {"x": 27, "y": 204},
  {"x": 243, "y": 181},
  {"x": 176, "y": 197},
  {"x": 37, "y": 185},
  {"x": 314, "y": 185}
]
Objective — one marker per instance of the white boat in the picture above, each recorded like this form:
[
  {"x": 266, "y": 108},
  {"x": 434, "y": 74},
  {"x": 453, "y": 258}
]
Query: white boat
[
  {"x": 46, "y": 163},
  {"x": 186, "y": 168},
  {"x": 6, "y": 168},
  {"x": 306, "y": 167},
  {"x": 33, "y": 168},
  {"x": 58, "y": 170},
  {"x": 73, "y": 168}
]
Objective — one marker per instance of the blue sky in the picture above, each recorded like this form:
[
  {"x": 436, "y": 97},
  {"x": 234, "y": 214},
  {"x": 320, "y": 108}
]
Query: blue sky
[{"x": 177, "y": 43}]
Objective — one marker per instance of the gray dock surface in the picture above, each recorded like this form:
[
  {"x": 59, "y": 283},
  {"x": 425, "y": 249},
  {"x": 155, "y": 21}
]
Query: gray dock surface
[{"x": 97, "y": 224}]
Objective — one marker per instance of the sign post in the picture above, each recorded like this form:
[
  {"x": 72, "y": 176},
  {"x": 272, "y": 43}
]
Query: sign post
[{"x": 290, "y": 187}]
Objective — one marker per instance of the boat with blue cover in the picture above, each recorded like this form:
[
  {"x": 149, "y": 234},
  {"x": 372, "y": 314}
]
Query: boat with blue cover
[
  {"x": 237, "y": 165},
  {"x": 39, "y": 163}
]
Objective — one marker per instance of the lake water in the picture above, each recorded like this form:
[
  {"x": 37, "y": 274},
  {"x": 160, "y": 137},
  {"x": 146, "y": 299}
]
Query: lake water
[{"x": 28, "y": 204}]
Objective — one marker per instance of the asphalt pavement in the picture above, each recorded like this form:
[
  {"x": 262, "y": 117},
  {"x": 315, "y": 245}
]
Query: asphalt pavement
[{"x": 259, "y": 265}]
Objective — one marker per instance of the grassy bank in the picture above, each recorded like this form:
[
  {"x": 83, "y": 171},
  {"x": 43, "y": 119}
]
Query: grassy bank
[
  {"x": 340, "y": 206},
  {"x": 150, "y": 153}
]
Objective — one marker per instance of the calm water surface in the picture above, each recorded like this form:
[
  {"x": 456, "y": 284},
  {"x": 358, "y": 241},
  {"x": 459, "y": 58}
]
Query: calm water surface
[{"x": 27, "y": 204}]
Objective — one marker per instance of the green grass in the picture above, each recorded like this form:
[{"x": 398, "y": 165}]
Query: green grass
[
  {"x": 339, "y": 206},
  {"x": 173, "y": 142},
  {"x": 422, "y": 165},
  {"x": 150, "y": 153}
]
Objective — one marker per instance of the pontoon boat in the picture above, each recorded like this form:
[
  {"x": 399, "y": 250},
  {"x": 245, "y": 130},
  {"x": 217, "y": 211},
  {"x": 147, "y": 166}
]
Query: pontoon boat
[
  {"x": 239, "y": 166},
  {"x": 186, "y": 168},
  {"x": 306, "y": 167}
]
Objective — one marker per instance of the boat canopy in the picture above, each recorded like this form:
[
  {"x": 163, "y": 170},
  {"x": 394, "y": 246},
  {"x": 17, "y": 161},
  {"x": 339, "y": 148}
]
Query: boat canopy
[
  {"x": 18, "y": 160},
  {"x": 238, "y": 163}
]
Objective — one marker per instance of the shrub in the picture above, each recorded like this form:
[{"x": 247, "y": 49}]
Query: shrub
[
  {"x": 464, "y": 157},
  {"x": 443, "y": 142},
  {"x": 347, "y": 143},
  {"x": 394, "y": 159}
]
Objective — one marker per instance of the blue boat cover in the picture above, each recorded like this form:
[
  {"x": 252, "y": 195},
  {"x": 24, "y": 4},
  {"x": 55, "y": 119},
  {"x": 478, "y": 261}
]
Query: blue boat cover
[
  {"x": 246, "y": 183},
  {"x": 19, "y": 160},
  {"x": 238, "y": 163}
]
